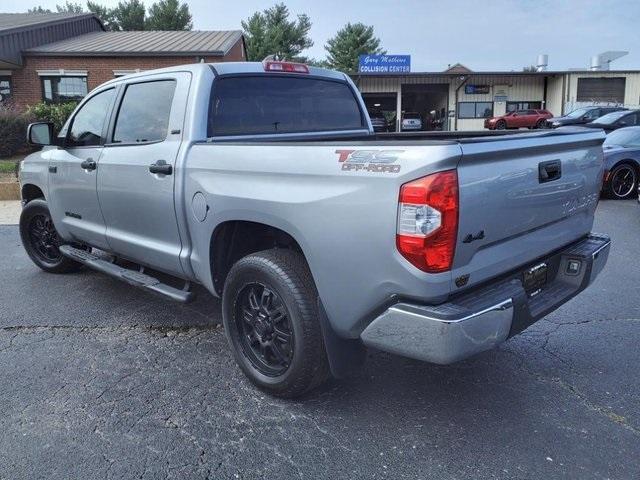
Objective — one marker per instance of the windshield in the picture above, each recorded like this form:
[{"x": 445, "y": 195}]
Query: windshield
[
  {"x": 625, "y": 137},
  {"x": 610, "y": 118},
  {"x": 412, "y": 115},
  {"x": 577, "y": 113}
]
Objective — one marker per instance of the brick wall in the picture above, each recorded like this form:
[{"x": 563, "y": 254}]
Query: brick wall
[{"x": 27, "y": 88}]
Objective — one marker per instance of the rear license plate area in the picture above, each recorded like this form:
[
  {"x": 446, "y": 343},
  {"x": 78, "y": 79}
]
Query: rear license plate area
[{"x": 535, "y": 278}]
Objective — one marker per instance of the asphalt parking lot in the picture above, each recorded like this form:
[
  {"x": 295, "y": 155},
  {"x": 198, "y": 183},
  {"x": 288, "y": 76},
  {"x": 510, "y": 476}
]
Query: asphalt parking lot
[{"x": 100, "y": 380}]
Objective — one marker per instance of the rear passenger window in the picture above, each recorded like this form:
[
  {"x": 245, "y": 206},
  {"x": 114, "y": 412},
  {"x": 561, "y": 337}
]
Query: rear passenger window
[
  {"x": 144, "y": 112},
  {"x": 264, "y": 104}
]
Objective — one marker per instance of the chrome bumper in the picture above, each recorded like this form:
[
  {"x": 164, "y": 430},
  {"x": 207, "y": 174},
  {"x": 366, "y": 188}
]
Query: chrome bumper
[{"x": 482, "y": 319}]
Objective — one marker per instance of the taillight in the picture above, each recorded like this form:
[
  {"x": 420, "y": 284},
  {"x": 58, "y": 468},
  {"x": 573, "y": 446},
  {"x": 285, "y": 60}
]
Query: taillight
[
  {"x": 428, "y": 221},
  {"x": 289, "y": 67}
]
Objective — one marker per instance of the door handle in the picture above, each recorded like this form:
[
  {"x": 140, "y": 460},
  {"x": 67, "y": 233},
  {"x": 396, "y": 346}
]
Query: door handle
[
  {"x": 89, "y": 164},
  {"x": 549, "y": 171},
  {"x": 161, "y": 167}
]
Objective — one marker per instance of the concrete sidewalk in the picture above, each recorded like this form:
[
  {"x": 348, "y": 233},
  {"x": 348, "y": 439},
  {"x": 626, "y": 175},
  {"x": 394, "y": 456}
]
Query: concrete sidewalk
[{"x": 10, "y": 212}]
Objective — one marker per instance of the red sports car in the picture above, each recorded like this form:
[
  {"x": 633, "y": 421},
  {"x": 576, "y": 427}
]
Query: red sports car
[{"x": 519, "y": 119}]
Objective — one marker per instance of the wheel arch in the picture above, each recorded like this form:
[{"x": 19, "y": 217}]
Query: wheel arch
[
  {"x": 30, "y": 191},
  {"x": 233, "y": 239}
]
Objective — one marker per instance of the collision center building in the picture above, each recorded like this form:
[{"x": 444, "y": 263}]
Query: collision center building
[{"x": 464, "y": 98}]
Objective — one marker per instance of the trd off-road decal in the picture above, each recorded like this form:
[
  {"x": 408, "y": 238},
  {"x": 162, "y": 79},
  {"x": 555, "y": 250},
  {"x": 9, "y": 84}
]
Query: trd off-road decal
[{"x": 375, "y": 161}]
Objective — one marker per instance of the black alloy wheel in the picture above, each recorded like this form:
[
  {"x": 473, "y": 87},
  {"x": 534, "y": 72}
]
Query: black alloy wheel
[
  {"x": 44, "y": 238},
  {"x": 264, "y": 329},
  {"x": 41, "y": 240},
  {"x": 271, "y": 321}
]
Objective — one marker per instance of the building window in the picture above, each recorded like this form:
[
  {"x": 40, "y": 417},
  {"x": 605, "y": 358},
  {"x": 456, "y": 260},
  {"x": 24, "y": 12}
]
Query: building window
[
  {"x": 63, "y": 89},
  {"x": 516, "y": 106},
  {"x": 475, "y": 109},
  {"x": 5, "y": 88}
]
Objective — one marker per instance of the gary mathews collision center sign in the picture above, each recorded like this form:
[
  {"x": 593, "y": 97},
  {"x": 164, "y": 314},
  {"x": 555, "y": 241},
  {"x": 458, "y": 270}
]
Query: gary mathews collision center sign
[{"x": 384, "y": 64}]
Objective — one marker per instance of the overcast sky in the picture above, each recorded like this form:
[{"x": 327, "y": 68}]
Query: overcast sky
[{"x": 482, "y": 34}]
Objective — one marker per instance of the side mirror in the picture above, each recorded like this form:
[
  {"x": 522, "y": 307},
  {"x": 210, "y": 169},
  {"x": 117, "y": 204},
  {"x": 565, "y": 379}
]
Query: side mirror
[
  {"x": 622, "y": 123},
  {"x": 40, "y": 134}
]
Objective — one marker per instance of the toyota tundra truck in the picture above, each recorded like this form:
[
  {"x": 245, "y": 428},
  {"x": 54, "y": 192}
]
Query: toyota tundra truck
[{"x": 266, "y": 184}]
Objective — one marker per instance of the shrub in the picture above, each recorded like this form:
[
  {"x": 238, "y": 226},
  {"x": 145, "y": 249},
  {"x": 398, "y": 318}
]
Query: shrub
[
  {"x": 56, "y": 113},
  {"x": 13, "y": 131}
]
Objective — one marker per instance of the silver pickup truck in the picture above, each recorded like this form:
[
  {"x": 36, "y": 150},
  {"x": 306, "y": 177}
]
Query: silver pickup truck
[{"x": 266, "y": 184}]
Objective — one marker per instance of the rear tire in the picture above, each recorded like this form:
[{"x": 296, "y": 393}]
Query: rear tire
[
  {"x": 622, "y": 182},
  {"x": 270, "y": 317},
  {"x": 41, "y": 241}
]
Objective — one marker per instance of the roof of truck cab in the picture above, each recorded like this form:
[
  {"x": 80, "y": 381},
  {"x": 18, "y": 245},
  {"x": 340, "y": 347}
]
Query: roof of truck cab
[
  {"x": 229, "y": 68},
  {"x": 232, "y": 68}
]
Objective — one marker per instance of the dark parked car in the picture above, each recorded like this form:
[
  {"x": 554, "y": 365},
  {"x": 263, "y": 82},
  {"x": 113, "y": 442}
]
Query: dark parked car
[
  {"x": 519, "y": 119},
  {"x": 581, "y": 116},
  {"x": 378, "y": 121},
  {"x": 621, "y": 163},
  {"x": 615, "y": 120}
]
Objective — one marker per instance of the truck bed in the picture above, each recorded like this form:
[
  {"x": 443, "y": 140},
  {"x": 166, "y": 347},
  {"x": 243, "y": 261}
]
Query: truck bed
[
  {"x": 410, "y": 138},
  {"x": 338, "y": 197}
]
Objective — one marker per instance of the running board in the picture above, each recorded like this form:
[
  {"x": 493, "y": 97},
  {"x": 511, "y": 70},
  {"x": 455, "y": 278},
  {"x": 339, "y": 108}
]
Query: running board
[{"x": 132, "y": 277}]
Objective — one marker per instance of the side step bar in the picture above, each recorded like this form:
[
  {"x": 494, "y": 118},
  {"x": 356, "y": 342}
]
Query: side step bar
[{"x": 132, "y": 277}]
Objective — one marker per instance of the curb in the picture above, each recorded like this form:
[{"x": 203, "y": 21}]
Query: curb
[{"x": 9, "y": 191}]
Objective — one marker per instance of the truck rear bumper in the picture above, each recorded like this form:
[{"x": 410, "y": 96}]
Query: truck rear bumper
[{"x": 483, "y": 318}]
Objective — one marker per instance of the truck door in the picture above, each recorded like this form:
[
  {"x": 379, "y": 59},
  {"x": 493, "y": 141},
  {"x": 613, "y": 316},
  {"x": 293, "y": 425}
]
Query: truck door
[
  {"x": 137, "y": 171},
  {"x": 73, "y": 200}
]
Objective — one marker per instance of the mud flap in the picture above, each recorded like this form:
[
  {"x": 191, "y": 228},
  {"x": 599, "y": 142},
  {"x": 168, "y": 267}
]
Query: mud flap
[{"x": 345, "y": 355}]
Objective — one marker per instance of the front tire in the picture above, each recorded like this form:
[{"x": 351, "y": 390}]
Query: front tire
[
  {"x": 41, "y": 240},
  {"x": 622, "y": 182},
  {"x": 542, "y": 124},
  {"x": 501, "y": 125},
  {"x": 270, "y": 318}
]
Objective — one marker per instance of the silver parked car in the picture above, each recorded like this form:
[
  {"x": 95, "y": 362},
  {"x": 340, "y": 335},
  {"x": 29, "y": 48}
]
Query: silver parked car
[{"x": 411, "y": 121}]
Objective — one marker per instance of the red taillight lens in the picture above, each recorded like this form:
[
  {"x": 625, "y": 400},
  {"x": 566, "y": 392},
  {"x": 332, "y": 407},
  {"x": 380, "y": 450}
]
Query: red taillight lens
[
  {"x": 428, "y": 221},
  {"x": 289, "y": 67}
]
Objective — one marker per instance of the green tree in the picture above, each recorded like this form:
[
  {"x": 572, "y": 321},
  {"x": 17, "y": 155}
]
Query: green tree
[
  {"x": 169, "y": 15},
  {"x": 270, "y": 32},
  {"x": 349, "y": 43},
  {"x": 39, "y": 9},
  {"x": 129, "y": 15},
  {"x": 70, "y": 7},
  {"x": 107, "y": 15}
]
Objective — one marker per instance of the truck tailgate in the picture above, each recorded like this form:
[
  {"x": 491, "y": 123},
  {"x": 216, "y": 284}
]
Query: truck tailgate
[{"x": 523, "y": 197}]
